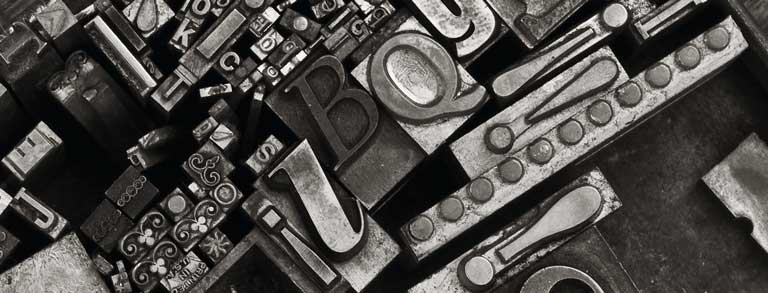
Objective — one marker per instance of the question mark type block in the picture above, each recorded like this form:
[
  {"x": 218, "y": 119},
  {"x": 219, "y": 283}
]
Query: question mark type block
[
  {"x": 537, "y": 233},
  {"x": 323, "y": 221},
  {"x": 586, "y": 258},
  {"x": 364, "y": 146},
  {"x": 739, "y": 182},
  {"x": 64, "y": 265},
  {"x": 42, "y": 217},
  {"x": 427, "y": 93},
  {"x": 512, "y": 155}
]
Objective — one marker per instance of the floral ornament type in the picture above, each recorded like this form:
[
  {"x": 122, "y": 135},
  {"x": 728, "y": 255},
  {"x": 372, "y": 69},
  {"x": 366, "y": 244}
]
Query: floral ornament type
[
  {"x": 159, "y": 267},
  {"x": 200, "y": 225},
  {"x": 216, "y": 245},
  {"x": 146, "y": 238}
]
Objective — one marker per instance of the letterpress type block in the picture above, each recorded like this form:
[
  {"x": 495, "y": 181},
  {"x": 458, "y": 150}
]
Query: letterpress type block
[
  {"x": 664, "y": 17},
  {"x": 226, "y": 137},
  {"x": 8, "y": 243},
  {"x": 176, "y": 205},
  {"x": 215, "y": 246},
  {"x": 155, "y": 265},
  {"x": 208, "y": 166},
  {"x": 299, "y": 24},
  {"x": 44, "y": 218},
  {"x": 120, "y": 281},
  {"x": 106, "y": 225},
  {"x": 516, "y": 247},
  {"x": 64, "y": 265},
  {"x": 102, "y": 264},
  {"x": 148, "y": 15},
  {"x": 357, "y": 247},
  {"x": 417, "y": 81},
  {"x": 135, "y": 42},
  {"x": 132, "y": 192},
  {"x": 29, "y": 157},
  {"x": 364, "y": 146},
  {"x": 207, "y": 215},
  {"x": 143, "y": 237},
  {"x": 586, "y": 258},
  {"x": 570, "y": 137},
  {"x": 534, "y": 20},
  {"x": 185, "y": 273},
  {"x": 264, "y": 155},
  {"x": 158, "y": 146}
]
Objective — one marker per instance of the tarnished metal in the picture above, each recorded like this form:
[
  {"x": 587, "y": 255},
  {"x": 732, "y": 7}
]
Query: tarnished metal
[
  {"x": 31, "y": 153},
  {"x": 8, "y": 243},
  {"x": 183, "y": 275},
  {"x": 534, "y": 20},
  {"x": 148, "y": 16},
  {"x": 215, "y": 246},
  {"x": 265, "y": 154},
  {"x": 132, "y": 192},
  {"x": 715, "y": 56},
  {"x": 64, "y": 265},
  {"x": 106, "y": 225},
  {"x": 40, "y": 215},
  {"x": 524, "y": 241},
  {"x": 664, "y": 17},
  {"x": 739, "y": 182}
]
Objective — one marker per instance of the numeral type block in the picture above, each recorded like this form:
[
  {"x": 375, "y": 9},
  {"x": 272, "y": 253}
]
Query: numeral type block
[
  {"x": 358, "y": 247},
  {"x": 560, "y": 139},
  {"x": 42, "y": 217},
  {"x": 63, "y": 265},
  {"x": 208, "y": 166},
  {"x": 215, "y": 246},
  {"x": 737, "y": 182},
  {"x": 429, "y": 114},
  {"x": 183, "y": 275},
  {"x": 8, "y": 243},
  {"x": 132, "y": 192},
  {"x": 516, "y": 247},
  {"x": 176, "y": 205},
  {"x": 143, "y": 237},
  {"x": 534, "y": 20},
  {"x": 30, "y": 155},
  {"x": 106, "y": 225}
]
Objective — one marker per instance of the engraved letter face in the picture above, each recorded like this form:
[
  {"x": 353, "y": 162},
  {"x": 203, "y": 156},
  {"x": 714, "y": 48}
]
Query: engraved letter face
[
  {"x": 340, "y": 236},
  {"x": 322, "y": 88},
  {"x": 418, "y": 81},
  {"x": 471, "y": 29},
  {"x": 38, "y": 144}
]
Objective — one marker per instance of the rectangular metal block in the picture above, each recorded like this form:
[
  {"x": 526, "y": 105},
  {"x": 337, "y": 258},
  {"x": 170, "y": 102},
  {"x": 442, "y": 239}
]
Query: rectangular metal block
[
  {"x": 379, "y": 15},
  {"x": 203, "y": 130},
  {"x": 593, "y": 125},
  {"x": 326, "y": 8},
  {"x": 300, "y": 25},
  {"x": 186, "y": 34},
  {"x": 5, "y": 201},
  {"x": 183, "y": 275},
  {"x": 55, "y": 18},
  {"x": 738, "y": 182},
  {"x": 587, "y": 257},
  {"x": 132, "y": 70},
  {"x": 215, "y": 246},
  {"x": 287, "y": 49},
  {"x": 662, "y": 18},
  {"x": 148, "y": 16},
  {"x": 206, "y": 215},
  {"x": 32, "y": 152},
  {"x": 176, "y": 205},
  {"x": 104, "y": 267},
  {"x": 265, "y": 154},
  {"x": 147, "y": 232},
  {"x": 341, "y": 43},
  {"x": 470, "y": 30},
  {"x": 63, "y": 265},
  {"x": 119, "y": 23},
  {"x": 537, "y": 233},
  {"x": 266, "y": 44},
  {"x": 369, "y": 152},
  {"x": 150, "y": 270},
  {"x": 215, "y": 92},
  {"x": 208, "y": 166},
  {"x": 358, "y": 248},
  {"x": 132, "y": 192},
  {"x": 226, "y": 137},
  {"x": 121, "y": 283},
  {"x": 106, "y": 225},
  {"x": 263, "y": 22},
  {"x": 534, "y": 20},
  {"x": 437, "y": 114},
  {"x": 233, "y": 69},
  {"x": 8, "y": 243},
  {"x": 272, "y": 75},
  {"x": 42, "y": 217}
]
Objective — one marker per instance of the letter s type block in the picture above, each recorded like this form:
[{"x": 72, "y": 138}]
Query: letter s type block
[{"x": 364, "y": 146}]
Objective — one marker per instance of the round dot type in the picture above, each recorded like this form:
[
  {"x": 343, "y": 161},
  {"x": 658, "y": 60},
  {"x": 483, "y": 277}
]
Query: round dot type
[
  {"x": 600, "y": 112},
  {"x": 659, "y": 75},
  {"x": 421, "y": 228},
  {"x": 451, "y": 209},
  {"x": 629, "y": 95},
  {"x": 479, "y": 271},
  {"x": 499, "y": 139},
  {"x": 570, "y": 132},
  {"x": 300, "y": 23},
  {"x": 481, "y": 189},
  {"x": 176, "y": 204},
  {"x": 254, "y": 3},
  {"x": 615, "y": 16},
  {"x": 541, "y": 151},
  {"x": 511, "y": 170},
  {"x": 717, "y": 39},
  {"x": 688, "y": 57}
]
